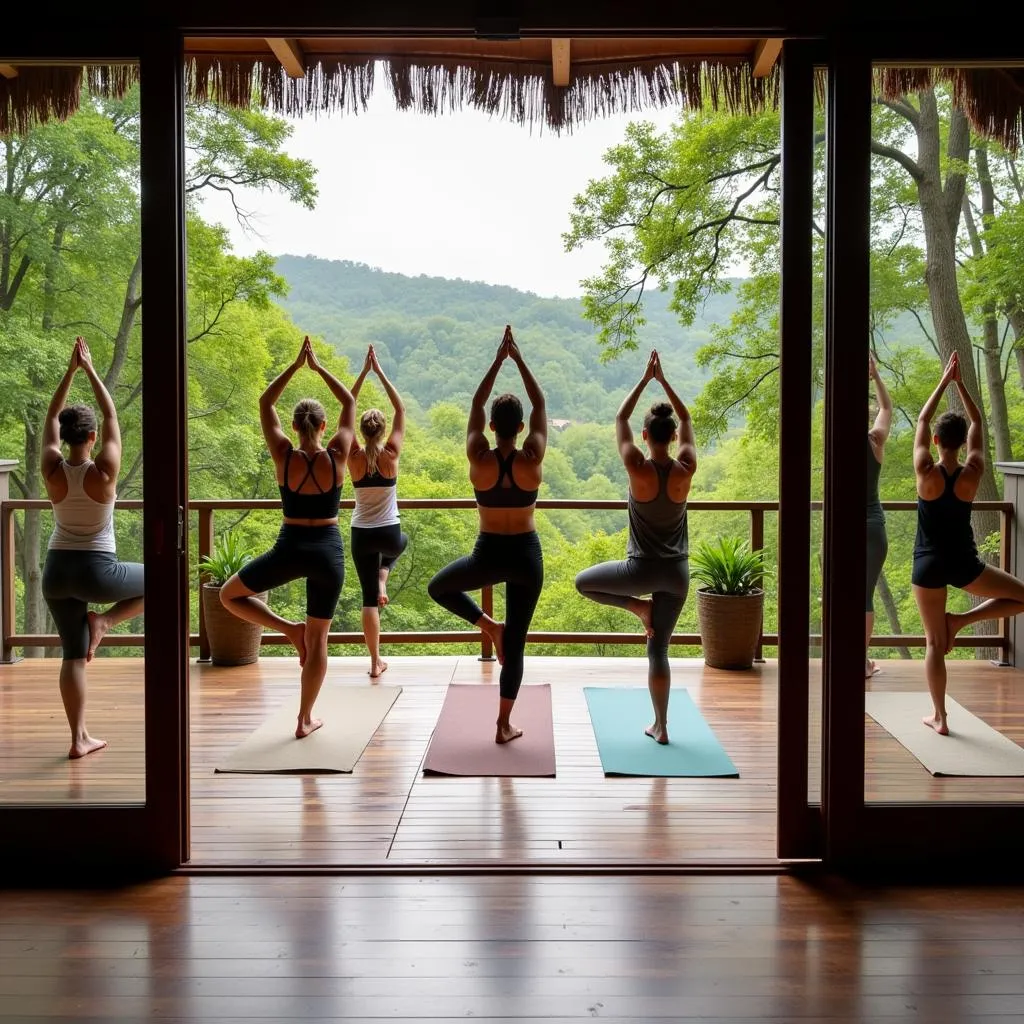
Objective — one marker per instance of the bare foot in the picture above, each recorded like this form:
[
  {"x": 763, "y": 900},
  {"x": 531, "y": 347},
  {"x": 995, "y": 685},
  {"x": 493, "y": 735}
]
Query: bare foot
[
  {"x": 644, "y": 610},
  {"x": 657, "y": 732},
  {"x": 378, "y": 668},
  {"x": 870, "y": 669},
  {"x": 497, "y": 635},
  {"x": 98, "y": 627},
  {"x": 296, "y": 632},
  {"x": 938, "y": 723},
  {"x": 87, "y": 745},
  {"x": 382, "y": 596},
  {"x": 304, "y": 728},
  {"x": 953, "y": 626},
  {"x": 506, "y": 733}
]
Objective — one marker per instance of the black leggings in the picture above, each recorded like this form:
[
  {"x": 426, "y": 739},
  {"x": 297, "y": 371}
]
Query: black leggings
[
  {"x": 375, "y": 548},
  {"x": 877, "y": 549},
  {"x": 513, "y": 559},
  {"x": 313, "y": 552},
  {"x": 667, "y": 580},
  {"x": 73, "y": 579}
]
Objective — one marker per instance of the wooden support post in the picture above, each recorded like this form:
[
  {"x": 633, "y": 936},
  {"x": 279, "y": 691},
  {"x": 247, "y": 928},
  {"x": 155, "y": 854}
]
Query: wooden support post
[
  {"x": 766, "y": 53},
  {"x": 487, "y": 604},
  {"x": 757, "y": 544},
  {"x": 8, "y": 71},
  {"x": 1011, "y": 554},
  {"x": 7, "y": 624},
  {"x": 289, "y": 53},
  {"x": 795, "y": 838},
  {"x": 560, "y": 61},
  {"x": 205, "y": 547}
]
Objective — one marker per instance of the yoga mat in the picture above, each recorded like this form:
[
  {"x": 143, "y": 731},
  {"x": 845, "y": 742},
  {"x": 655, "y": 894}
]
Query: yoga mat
[
  {"x": 351, "y": 715},
  {"x": 972, "y": 747},
  {"x": 463, "y": 740},
  {"x": 619, "y": 716}
]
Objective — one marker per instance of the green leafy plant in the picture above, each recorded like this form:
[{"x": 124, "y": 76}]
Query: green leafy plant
[
  {"x": 728, "y": 566},
  {"x": 228, "y": 556}
]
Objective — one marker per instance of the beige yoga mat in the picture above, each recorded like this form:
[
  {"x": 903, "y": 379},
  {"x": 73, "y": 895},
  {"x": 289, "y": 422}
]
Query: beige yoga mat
[
  {"x": 351, "y": 715},
  {"x": 972, "y": 747},
  {"x": 463, "y": 740}
]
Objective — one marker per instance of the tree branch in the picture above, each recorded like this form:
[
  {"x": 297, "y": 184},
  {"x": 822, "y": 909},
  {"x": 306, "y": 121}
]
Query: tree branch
[{"x": 908, "y": 163}]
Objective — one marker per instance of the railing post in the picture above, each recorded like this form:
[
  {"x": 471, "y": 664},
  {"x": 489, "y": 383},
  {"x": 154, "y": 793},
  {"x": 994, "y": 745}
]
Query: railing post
[
  {"x": 1011, "y": 549},
  {"x": 205, "y": 547},
  {"x": 1005, "y": 551},
  {"x": 7, "y": 655},
  {"x": 757, "y": 544},
  {"x": 487, "y": 603}
]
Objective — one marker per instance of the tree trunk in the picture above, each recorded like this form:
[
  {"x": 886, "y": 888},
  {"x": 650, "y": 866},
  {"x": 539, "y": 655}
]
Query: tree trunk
[
  {"x": 1016, "y": 318},
  {"x": 129, "y": 311},
  {"x": 941, "y": 206},
  {"x": 29, "y": 550},
  {"x": 891, "y": 611}
]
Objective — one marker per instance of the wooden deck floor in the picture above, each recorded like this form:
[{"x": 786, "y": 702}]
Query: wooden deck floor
[
  {"x": 506, "y": 949},
  {"x": 387, "y": 810}
]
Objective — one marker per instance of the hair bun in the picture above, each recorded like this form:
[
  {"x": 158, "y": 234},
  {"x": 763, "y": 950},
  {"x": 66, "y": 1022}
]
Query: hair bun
[
  {"x": 67, "y": 415},
  {"x": 662, "y": 410}
]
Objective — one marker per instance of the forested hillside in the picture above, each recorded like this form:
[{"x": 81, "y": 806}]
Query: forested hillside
[{"x": 438, "y": 334}]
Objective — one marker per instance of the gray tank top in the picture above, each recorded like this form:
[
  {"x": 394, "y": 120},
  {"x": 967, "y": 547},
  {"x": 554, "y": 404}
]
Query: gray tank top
[{"x": 657, "y": 528}]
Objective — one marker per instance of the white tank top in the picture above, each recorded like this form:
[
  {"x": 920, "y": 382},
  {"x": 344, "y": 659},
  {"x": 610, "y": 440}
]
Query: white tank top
[
  {"x": 376, "y": 501},
  {"x": 81, "y": 523}
]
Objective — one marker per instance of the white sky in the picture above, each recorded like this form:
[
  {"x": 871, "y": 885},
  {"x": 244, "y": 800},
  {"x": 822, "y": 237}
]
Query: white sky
[{"x": 457, "y": 195}]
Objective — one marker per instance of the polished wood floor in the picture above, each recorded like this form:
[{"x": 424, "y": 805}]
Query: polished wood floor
[
  {"x": 514, "y": 948},
  {"x": 387, "y": 810}
]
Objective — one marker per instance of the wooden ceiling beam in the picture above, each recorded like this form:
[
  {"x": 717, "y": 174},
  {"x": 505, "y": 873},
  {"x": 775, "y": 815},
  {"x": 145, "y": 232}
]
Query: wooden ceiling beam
[
  {"x": 560, "y": 61},
  {"x": 766, "y": 53},
  {"x": 289, "y": 53},
  {"x": 8, "y": 71}
]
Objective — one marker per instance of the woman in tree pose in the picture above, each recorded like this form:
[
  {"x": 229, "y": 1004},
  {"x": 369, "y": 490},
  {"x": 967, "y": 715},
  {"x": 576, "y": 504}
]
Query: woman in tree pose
[
  {"x": 657, "y": 554},
  {"x": 877, "y": 541},
  {"x": 377, "y": 538},
  {"x": 81, "y": 563},
  {"x": 505, "y": 480},
  {"x": 309, "y": 545},
  {"x": 944, "y": 550}
]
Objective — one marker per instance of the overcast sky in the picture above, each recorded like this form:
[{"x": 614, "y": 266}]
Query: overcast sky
[{"x": 457, "y": 195}]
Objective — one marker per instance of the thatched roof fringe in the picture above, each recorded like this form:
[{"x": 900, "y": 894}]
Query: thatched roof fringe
[
  {"x": 992, "y": 98},
  {"x": 36, "y": 95}
]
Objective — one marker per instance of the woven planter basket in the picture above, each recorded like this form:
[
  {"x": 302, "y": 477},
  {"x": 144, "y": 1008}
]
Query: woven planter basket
[
  {"x": 233, "y": 641},
  {"x": 730, "y": 626}
]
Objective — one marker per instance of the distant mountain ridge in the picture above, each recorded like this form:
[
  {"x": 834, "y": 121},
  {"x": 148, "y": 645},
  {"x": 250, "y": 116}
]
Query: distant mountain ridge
[{"x": 438, "y": 334}]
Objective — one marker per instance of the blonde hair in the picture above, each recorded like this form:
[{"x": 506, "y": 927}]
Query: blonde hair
[
  {"x": 308, "y": 417},
  {"x": 371, "y": 426}
]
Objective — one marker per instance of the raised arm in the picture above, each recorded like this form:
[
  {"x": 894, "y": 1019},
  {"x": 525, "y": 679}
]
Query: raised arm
[
  {"x": 883, "y": 419},
  {"x": 975, "y": 461},
  {"x": 632, "y": 457},
  {"x": 687, "y": 453},
  {"x": 536, "y": 442},
  {"x": 394, "y": 441},
  {"x": 277, "y": 440},
  {"x": 923, "y": 461},
  {"x": 341, "y": 442},
  {"x": 52, "y": 455},
  {"x": 108, "y": 458},
  {"x": 357, "y": 384},
  {"x": 476, "y": 439}
]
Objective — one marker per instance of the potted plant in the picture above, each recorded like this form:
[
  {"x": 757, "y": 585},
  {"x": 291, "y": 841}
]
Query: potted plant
[
  {"x": 730, "y": 602},
  {"x": 233, "y": 641}
]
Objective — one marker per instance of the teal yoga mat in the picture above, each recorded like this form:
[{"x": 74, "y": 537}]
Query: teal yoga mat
[{"x": 619, "y": 716}]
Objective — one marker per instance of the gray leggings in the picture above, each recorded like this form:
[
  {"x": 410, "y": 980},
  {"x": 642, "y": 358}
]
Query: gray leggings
[
  {"x": 667, "y": 580},
  {"x": 73, "y": 579}
]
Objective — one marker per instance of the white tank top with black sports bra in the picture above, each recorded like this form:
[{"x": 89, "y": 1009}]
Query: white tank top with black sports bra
[
  {"x": 376, "y": 501},
  {"x": 81, "y": 523}
]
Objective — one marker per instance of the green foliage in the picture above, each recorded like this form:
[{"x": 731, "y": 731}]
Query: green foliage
[
  {"x": 728, "y": 566},
  {"x": 228, "y": 556}
]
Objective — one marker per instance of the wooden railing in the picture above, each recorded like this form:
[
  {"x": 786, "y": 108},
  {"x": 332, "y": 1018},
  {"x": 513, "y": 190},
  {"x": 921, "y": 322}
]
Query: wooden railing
[{"x": 206, "y": 509}]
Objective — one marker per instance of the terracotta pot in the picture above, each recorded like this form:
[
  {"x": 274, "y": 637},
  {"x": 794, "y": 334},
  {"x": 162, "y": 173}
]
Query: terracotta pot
[
  {"x": 730, "y": 626},
  {"x": 233, "y": 641}
]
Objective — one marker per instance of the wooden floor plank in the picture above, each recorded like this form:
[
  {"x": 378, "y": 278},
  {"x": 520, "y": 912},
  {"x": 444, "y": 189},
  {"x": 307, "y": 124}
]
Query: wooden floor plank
[
  {"x": 512, "y": 949},
  {"x": 388, "y": 811}
]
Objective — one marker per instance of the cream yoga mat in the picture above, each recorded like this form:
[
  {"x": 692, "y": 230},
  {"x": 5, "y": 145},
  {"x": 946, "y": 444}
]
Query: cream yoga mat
[
  {"x": 972, "y": 748},
  {"x": 351, "y": 715}
]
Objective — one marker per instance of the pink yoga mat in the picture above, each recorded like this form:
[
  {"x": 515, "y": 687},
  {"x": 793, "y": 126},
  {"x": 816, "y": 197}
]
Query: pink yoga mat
[{"x": 463, "y": 740}]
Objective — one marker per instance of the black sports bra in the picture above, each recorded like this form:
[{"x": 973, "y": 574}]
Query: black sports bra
[
  {"x": 318, "y": 505},
  {"x": 375, "y": 479},
  {"x": 505, "y": 497}
]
